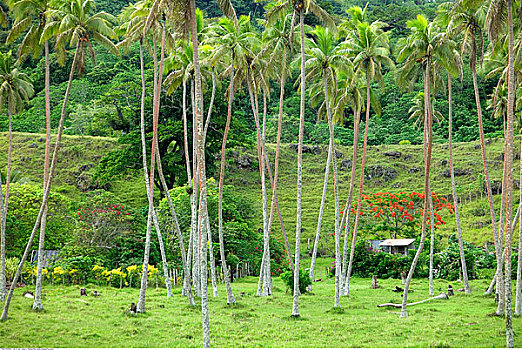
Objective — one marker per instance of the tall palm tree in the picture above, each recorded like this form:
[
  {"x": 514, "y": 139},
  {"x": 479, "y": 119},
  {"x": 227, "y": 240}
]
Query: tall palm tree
[
  {"x": 73, "y": 23},
  {"x": 15, "y": 89},
  {"x": 30, "y": 18},
  {"x": 279, "y": 48},
  {"x": 234, "y": 39},
  {"x": 496, "y": 19},
  {"x": 324, "y": 58},
  {"x": 368, "y": 45},
  {"x": 419, "y": 51},
  {"x": 300, "y": 8},
  {"x": 467, "y": 17}
]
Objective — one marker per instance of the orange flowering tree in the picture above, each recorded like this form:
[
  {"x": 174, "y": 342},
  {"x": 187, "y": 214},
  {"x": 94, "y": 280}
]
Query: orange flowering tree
[{"x": 400, "y": 214}]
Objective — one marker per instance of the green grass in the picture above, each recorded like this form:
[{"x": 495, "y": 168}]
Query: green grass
[{"x": 461, "y": 321}]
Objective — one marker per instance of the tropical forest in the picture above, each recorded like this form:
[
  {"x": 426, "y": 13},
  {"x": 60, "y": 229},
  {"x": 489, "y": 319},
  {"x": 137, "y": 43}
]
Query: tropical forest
[{"x": 262, "y": 174}]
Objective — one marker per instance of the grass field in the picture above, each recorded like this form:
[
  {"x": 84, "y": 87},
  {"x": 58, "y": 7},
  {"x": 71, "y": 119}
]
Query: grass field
[{"x": 461, "y": 321}]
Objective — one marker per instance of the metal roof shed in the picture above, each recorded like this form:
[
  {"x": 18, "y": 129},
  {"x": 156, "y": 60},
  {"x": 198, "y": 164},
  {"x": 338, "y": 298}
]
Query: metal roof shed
[{"x": 397, "y": 246}]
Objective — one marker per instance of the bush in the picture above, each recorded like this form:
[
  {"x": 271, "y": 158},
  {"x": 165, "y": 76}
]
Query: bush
[
  {"x": 304, "y": 280},
  {"x": 405, "y": 142}
]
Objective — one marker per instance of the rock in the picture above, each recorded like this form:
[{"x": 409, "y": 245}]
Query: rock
[
  {"x": 306, "y": 148},
  {"x": 346, "y": 164},
  {"x": 496, "y": 187},
  {"x": 397, "y": 185},
  {"x": 41, "y": 139},
  {"x": 414, "y": 170},
  {"x": 25, "y": 159},
  {"x": 500, "y": 157},
  {"x": 243, "y": 181},
  {"x": 393, "y": 154},
  {"x": 457, "y": 172},
  {"x": 244, "y": 161},
  {"x": 338, "y": 155},
  {"x": 85, "y": 167},
  {"x": 408, "y": 157},
  {"x": 234, "y": 154},
  {"x": 477, "y": 146},
  {"x": 444, "y": 162},
  {"x": 33, "y": 145},
  {"x": 379, "y": 171}
]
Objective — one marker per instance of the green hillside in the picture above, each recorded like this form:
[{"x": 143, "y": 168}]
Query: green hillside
[{"x": 393, "y": 168}]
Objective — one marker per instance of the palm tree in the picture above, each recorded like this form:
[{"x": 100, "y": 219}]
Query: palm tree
[
  {"x": 421, "y": 49},
  {"x": 72, "y": 23},
  {"x": 368, "y": 45},
  {"x": 466, "y": 17},
  {"x": 30, "y": 17},
  {"x": 15, "y": 89},
  {"x": 300, "y": 8},
  {"x": 278, "y": 47},
  {"x": 235, "y": 39},
  {"x": 417, "y": 110},
  {"x": 324, "y": 58},
  {"x": 496, "y": 19}
]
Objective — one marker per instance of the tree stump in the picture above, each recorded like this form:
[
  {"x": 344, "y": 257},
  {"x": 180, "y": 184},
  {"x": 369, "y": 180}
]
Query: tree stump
[
  {"x": 374, "y": 282},
  {"x": 403, "y": 277},
  {"x": 450, "y": 290}
]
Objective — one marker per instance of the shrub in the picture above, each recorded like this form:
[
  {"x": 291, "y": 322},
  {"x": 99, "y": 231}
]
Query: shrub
[
  {"x": 405, "y": 142},
  {"x": 304, "y": 280}
]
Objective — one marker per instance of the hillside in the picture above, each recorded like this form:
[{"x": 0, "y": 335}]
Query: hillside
[{"x": 392, "y": 168}]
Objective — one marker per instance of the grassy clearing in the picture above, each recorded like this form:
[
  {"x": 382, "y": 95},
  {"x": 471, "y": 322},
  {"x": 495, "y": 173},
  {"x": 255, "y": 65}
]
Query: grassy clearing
[{"x": 461, "y": 321}]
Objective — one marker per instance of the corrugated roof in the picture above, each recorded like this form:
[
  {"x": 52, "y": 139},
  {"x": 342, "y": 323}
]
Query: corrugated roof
[{"x": 397, "y": 242}]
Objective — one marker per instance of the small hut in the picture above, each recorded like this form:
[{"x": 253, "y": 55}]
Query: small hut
[{"x": 397, "y": 246}]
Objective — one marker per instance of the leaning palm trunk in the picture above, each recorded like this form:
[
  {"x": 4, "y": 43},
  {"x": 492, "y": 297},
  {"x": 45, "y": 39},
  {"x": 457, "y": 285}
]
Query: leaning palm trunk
[
  {"x": 3, "y": 219},
  {"x": 47, "y": 187},
  {"x": 361, "y": 184},
  {"x": 230, "y": 295},
  {"x": 346, "y": 214},
  {"x": 200, "y": 156},
  {"x": 498, "y": 249},
  {"x": 432, "y": 241},
  {"x": 337, "y": 302},
  {"x": 454, "y": 192},
  {"x": 38, "y": 305},
  {"x": 321, "y": 211},
  {"x": 427, "y": 163},
  {"x": 276, "y": 170},
  {"x": 509, "y": 188},
  {"x": 2, "y": 249},
  {"x": 295, "y": 304}
]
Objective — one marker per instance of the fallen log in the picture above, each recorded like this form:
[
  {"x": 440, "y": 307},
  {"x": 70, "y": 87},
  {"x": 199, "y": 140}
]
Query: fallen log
[{"x": 440, "y": 296}]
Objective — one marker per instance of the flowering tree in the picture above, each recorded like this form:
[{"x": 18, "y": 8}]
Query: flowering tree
[
  {"x": 101, "y": 221},
  {"x": 400, "y": 213}
]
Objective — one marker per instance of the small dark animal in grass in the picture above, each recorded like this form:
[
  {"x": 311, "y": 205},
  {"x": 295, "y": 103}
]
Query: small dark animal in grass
[
  {"x": 28, "y": 294},
  {"x": 397, "y": 289},
  {"x": 95, "y": 293},
  {"x": 318, "y": 280},
  {"x": 242, "y": 294},
  {"x": 133, "y": 309},
  {"x": 83, "y": 292},
  {"x": 450, "y": 290}
]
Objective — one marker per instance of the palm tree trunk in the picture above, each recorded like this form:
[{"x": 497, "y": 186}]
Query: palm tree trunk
[
  {"x": 345, "y": 287},
  {"x": 295, "y": 304},
  {"x": 230, "y": 295},
  {"x": 432, "y": 241},
  {"x": 263, "y": 286},
  {"x": 150, "y": 193},
  {"x": 427, "y": 164},
  {"x": 509, "y": 162},
  {"x": 321, "y": 211},
  {"x": 361, "y": 184},
  {"x": 498, "y": 247},
  {"x": 518, "y": 295},
  {"x": 47, "y": 187},
  {"x": 38, "y": 305},
  {"x": 454, "y": 191},
  {"x": 202, "y": 176},
  {"x": 3, "y": 218},
  {"x": 337, "y": 302},
  {"x": 2, "y": 248},
  {"x": 196, "y": 279}
]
